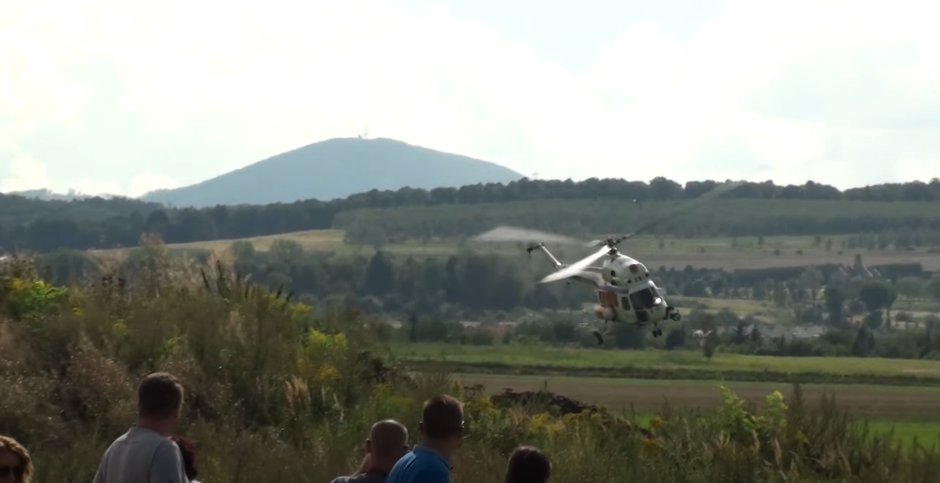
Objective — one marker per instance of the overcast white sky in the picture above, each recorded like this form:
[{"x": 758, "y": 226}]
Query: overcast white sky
[{"x": 124, "y": 97}]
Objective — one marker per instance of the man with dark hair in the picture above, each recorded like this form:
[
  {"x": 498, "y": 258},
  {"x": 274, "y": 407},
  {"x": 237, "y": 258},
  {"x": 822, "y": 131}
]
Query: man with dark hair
[
  {"x": 442, "y": 432},
  {"x": 528, "y": 465},
  {"x": 387, "y": 443},
  {"x": 145, "y": 453}
]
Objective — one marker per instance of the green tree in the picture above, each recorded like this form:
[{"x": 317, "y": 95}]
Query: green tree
[
  {"x": 933, "y": 287},
  {"x": 698, "y": 288},
  {"x": 878, "y": 295},
  {"x": 864, "y": 343},
  {"x": 287, "y": 250},
  {"x": 835, "y": 305},
  {"x": 629, "y": 336},
  {"x": 810, "y": 281},
  {"x": 756, "y": 336},
  {"x": 243, "y": 250},
  {"x": 710, "y": 344},
  {"x": 380, "y": 275},
  {"x": 911, "y": 287},
  {"x": 675, "y": 339},
  {"x": 740, "y": 334},
  {"x": 413, "y": 328}
]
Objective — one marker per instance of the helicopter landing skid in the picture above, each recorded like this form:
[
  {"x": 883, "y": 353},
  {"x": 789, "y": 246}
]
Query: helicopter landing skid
[{"x": 600, "y": 335}]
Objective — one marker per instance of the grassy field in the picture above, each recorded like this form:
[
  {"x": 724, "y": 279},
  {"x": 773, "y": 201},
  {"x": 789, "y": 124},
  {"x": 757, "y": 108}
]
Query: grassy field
[
  {"x": 911, "y": 412},
  {"x": 646, "y": 396},
  {"x": 719, "y": 252},
  {"x": 667, "y": 364},
  {"x": 313, "y": 240}
]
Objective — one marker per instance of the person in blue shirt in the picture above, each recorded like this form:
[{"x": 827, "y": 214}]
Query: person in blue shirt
[{"x": 441, "y": 434}]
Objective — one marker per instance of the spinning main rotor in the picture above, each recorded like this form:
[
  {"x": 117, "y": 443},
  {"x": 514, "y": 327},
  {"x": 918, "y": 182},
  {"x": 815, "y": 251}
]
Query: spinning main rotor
[{"x": 607, "y": 246}]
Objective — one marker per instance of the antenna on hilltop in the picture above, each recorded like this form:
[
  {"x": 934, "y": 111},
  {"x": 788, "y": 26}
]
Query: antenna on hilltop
[{"x": 365, "y": 132}]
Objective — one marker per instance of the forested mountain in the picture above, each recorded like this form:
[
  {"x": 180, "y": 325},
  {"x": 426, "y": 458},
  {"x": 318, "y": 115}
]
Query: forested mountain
[
  {"x": 591, "y": 206},
  {"x": 336, "y": 168}
]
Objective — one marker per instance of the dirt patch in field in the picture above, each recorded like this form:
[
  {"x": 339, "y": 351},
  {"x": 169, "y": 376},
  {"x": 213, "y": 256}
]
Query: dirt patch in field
[{"x": 649, "y": 395}]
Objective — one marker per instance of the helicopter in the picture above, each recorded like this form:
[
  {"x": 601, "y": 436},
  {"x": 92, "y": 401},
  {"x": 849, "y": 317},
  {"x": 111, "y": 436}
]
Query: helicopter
[{"x": 623, "y": 285}]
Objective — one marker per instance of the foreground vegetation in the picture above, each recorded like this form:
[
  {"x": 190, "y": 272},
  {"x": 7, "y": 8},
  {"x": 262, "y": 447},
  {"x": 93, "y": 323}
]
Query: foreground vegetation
[{"x": 280, "y": 392}]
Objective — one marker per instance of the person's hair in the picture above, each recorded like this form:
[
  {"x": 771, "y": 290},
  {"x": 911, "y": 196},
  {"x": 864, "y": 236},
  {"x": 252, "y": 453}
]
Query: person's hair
[
  {"x": 442, "y": 417},
  {"x": 188, "y": 449},
  {"x": 388, "y": 437},
  {"x": 25, "y": 473},
  {"x": 159, "y": 396},
  {"x": 528, "y": 465}
]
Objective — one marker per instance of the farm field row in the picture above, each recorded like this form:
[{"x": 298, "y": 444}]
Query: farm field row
[
  {"x": 677, "y": 253},
  {"x": 645, "y": 396},
  {"x": 660, "y": 363},
  {"x": 910, "y": 412}
]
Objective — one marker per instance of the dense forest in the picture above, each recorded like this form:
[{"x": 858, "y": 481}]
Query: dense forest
[{"x": 43, "y": 226}]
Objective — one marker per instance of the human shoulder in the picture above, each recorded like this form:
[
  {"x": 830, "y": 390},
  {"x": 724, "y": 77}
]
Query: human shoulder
[
  {"x": 430, "y": 467},
  {"x": 433, "y": 473}
]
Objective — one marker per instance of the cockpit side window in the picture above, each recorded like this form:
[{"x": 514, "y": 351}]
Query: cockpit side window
[
  {"x": 625, "y": 303},
  {"x": 644, "y": 298}
]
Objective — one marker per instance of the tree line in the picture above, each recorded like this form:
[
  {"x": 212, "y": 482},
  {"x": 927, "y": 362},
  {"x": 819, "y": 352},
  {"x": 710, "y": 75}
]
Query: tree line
[{"x": 42, "y": 226}]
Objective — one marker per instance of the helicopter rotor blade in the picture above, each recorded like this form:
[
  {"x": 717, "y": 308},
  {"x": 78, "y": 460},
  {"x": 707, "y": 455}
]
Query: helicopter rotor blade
[
  {"x": 576, "y": 267},
  {"x": 505, "y": 233},
  {"x": 681, "y": 209}
]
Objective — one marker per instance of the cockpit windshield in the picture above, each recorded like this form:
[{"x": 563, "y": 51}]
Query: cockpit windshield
[{"x": 645, "y": 299}]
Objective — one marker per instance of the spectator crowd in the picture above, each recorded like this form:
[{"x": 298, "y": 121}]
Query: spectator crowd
[{"x": 151, "y": 452}]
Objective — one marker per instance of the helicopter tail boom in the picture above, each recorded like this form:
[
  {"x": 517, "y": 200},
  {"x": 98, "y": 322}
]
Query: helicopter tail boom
[{"x": 541, "y": 246}]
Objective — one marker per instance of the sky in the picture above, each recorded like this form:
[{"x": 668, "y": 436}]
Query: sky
[{"x": 110, "y": 96}]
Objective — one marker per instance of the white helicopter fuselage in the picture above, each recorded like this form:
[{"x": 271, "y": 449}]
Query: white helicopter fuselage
[
  {"x": 628, "y": 294},
  {"x": 624, "y": 288}
]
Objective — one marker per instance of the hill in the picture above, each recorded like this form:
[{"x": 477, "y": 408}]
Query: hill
[{"x": 337, "y": 168}]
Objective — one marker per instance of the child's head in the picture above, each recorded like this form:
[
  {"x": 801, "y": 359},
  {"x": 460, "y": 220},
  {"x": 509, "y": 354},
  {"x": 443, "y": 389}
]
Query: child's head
[{"x": 528, "y": 465}]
